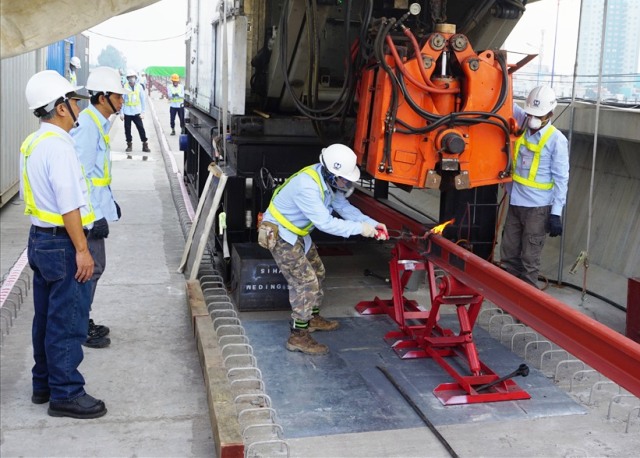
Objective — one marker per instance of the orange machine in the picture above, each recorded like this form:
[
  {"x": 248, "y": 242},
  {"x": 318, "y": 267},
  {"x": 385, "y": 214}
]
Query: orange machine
[{"x": 438, "y": 116}]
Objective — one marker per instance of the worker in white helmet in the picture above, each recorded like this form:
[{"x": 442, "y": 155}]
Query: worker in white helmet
[
  {"x": 135, "y": 101},
  {"x": 538, "y": 192},
  {"x": 74, "y": 64},
  {"x": 56, "y": 196},
  {"x": 94, "y": 151},
  {"x": 305, "y": 201}
]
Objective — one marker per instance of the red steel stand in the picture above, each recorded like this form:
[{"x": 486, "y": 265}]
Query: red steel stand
[{"x": 420, "y": 336}]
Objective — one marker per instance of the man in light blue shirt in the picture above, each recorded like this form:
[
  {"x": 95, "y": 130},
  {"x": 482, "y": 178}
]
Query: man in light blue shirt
[
  {"x": 135, "y": 101},
  {"x": 56, "y": 197},
  {"x": 306, "y": 201},
  {"x": 94, "y": 151},
  {"x": 538, "y": 191}
]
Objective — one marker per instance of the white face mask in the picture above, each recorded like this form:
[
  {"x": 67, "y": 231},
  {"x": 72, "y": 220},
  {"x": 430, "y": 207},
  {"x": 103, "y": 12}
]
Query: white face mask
[{"x": 534, "y": 123}]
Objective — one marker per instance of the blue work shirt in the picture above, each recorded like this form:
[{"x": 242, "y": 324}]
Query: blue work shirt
[
  {"x": 553, "y": 167},
  {"x": 55, "y": 176},
  {"x": 135, "y": 100},
  {"x": 92, "y": 151},
  {"x": 300, "y": 201}
]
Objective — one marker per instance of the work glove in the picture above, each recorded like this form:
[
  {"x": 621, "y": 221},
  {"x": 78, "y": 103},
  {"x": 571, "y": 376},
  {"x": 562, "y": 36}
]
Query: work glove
[
  {"x": 100, "y": 229},
  {"x": 368, "y": 230},
  {"x": 381, "y": 232},
  {"x": 555, "y": 226},
  {"x": 118, "y": 211}
]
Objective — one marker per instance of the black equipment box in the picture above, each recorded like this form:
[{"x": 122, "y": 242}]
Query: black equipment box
[{"x": 256, "y": 281}]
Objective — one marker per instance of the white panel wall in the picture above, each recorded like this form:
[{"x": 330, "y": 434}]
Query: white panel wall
[{"x": 16, "y": 121}]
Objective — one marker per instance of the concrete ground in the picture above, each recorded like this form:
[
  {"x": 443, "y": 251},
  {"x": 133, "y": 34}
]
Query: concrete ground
[{"x": 151, "y": 379}]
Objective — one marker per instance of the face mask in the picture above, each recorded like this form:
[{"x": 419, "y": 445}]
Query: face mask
[{"x": 534, "y": 123}]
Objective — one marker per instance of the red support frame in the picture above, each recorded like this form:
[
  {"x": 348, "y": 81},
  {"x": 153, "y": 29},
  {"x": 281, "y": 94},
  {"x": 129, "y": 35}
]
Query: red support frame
[{"x": 420, "y": 336}]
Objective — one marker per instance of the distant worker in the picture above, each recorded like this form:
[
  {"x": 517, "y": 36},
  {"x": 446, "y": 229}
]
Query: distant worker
[
  {"x": 135, "y": 101},
  {"x": 538, "y": 192},
  {"x": 176, "y": 103},
  {"x": 94, "y": 151},
  {"x": 56, "y": 197},
  {"x": 74, "y": 64},
  {"x": 303, "y": 202}
]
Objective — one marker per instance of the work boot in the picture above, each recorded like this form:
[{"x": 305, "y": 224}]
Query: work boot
[
  {"x": 318, "y": 323},
  {"x": 300, "y": 340},
  {"x": 128, "y": 150},
  {"x": 145, "y": 147},
  {"x": 173, "y": 131},
  {"x": 97, "y": 342},
  {"x": 97, "y": 330}
]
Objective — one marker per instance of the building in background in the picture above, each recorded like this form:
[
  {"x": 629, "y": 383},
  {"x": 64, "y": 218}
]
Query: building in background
[{"x": 620, "y": 59}]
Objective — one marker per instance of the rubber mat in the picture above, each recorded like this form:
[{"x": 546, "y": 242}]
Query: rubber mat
[{"x": 345, "y": 392}]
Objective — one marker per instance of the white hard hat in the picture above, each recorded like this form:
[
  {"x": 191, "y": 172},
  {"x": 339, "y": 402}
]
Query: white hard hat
[
  {"x": 541, "y": 100},
  {"x": 131, "y": 72},
  {"x": 46, "y": 87},
  {"x": 105, "y": 79},
  {"x": 340, "y": 160},
  {"x": 75, "y": 62}
]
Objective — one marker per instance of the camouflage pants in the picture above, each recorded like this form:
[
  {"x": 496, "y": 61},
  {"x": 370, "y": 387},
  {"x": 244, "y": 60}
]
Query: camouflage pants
[{"x": 304, "y": 274}]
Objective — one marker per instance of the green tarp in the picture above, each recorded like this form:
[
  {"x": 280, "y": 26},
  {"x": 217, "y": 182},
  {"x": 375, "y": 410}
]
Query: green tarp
[{"x": 164, "y": 71}]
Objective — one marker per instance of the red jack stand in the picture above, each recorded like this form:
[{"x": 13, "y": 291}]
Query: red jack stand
[{"x": 420, "y": 336}]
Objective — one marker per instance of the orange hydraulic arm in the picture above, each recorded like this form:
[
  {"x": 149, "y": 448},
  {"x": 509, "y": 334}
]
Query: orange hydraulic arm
[{"x": 440, "y": 116}]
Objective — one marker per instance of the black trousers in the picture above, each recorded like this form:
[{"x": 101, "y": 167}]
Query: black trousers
[
  {"x": 137, "y": 120},
  {"x": 172, "y": 116}
]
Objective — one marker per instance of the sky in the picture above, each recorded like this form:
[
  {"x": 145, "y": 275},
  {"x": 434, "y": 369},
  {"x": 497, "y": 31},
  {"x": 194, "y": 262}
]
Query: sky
[
  {"x": 536, "y": 33},
  {"x": 153, "y": 35}
]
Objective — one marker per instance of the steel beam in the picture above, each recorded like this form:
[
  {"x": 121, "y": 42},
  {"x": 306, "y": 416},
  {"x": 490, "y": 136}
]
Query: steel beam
[{"x": 605, "y": 350}]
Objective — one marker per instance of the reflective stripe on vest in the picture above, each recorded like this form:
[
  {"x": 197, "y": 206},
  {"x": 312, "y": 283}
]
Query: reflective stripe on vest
[
  {"x": 536, "y": 149},
  {"x": 30, "y": 203},
  {"x": 106, "y": 179},
  {"x": 280, "y": 217},
  {"x": 176, "y": 97},
  {"x": 133, "y": 96}
]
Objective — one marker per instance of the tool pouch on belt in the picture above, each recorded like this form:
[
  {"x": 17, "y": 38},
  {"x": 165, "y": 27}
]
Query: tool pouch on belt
[{"x": 267, "y": 235}]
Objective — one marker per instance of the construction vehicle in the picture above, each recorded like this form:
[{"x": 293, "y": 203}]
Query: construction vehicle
[{"x": 417, "y": 89}]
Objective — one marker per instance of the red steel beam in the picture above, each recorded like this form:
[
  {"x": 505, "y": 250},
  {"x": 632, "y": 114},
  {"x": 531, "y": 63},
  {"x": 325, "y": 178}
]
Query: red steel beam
[{"x": 605, "y": 350}]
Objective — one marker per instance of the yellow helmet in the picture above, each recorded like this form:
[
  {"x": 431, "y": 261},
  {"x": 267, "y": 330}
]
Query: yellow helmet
[{"x": 175, "y": 77}]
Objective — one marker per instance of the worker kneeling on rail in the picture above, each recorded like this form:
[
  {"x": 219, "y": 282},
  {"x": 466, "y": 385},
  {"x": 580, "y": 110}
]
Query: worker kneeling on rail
[{"x": 305, "y": 201}]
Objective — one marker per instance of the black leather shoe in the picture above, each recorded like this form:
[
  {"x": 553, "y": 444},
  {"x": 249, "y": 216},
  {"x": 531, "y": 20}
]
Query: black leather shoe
[
  {"x": 85, "y": 406},
  {"x": 97, "y": 342},
  {"x": 97, "y": 330},
  {"x": 40, "y": 397}
]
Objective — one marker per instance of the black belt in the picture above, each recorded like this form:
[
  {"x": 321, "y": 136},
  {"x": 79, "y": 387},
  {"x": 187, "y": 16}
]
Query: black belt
[{"x": 57, "y": 230}]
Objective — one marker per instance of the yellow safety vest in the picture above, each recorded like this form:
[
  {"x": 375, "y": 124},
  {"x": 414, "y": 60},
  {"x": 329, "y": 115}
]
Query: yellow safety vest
[
  {"x": 30, "y": 203},
  {"x": 133, "y": 96},
  {"x": 280, "y": 217},
  {"x": 536, "y": 149},
  {"x": 176, "y": 98},
  {"x": 106, "y": 179}
]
